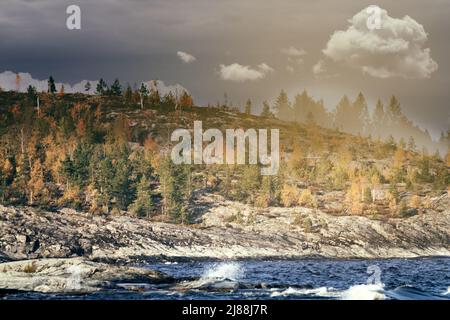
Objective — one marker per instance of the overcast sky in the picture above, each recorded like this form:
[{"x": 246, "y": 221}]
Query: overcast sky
[{"x": 247, "y": 48}]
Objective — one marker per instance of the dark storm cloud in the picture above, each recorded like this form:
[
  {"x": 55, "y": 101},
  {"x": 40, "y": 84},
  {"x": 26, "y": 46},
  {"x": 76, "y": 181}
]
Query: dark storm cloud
[{"x": 139, "y": 40}]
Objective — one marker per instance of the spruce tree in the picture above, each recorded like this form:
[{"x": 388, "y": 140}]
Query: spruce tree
[
  {"x": 51, "y": 85},
  {"x": 143, "y": 203},
  {"x": 116, "y": 88},
  {"x": 282, "y": 107},
  {"x": 102, "y": 87},
  {"x": 266, "y": 110}
]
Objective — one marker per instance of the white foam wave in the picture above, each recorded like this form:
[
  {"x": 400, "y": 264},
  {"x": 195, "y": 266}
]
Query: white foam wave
[
  {"x": 321, "y": 292},
  {"x": 225, "y": 270},
  {"x": 364, "y": 292},
  {"x": 447, "y": 292}
]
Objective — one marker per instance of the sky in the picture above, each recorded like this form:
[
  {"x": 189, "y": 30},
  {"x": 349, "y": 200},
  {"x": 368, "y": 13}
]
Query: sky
[{"x": 246, "y": 48}]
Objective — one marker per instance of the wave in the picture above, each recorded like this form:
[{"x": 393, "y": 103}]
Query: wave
[
  {"x": 356, "y": 292},
  {"x": 411, "y": 293},
  {"x": 224, "y": 271},
  {"x": 319, "y": 292},
  {"x": 447, "y": 292},
  {"x": 364, "y": 292}
]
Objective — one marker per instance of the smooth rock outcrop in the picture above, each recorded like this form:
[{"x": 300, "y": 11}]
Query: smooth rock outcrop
[
  {"x": 75, "y": 275},
  {"x": 224, "y": 230}
]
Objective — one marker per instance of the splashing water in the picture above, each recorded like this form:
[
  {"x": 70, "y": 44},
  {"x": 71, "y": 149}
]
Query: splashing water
[
  {"x": 364, "y": 292},
  {"x": 222, "y": 271},
  {"x": 447, "y": 292},
  {"x": 320, "y": 292}
]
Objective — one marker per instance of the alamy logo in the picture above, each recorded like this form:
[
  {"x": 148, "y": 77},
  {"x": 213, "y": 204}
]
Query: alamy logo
[
  {"x": 73, "y": 21},
  {"x": 234, "y": 146},
  {"x": 374, "y": 19},
  {"x": 375, "y": 275}
]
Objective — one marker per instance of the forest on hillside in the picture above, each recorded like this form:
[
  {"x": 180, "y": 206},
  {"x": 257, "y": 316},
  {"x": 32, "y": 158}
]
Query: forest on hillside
[{"x": 107, "y": 154}]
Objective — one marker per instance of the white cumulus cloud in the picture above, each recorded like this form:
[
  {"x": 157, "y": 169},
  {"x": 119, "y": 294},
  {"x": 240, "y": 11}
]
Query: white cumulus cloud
[
  {"x": 319, "y": 68},
  {"x": 293, "y": 52},
  {"x": 396, "y": 49},
  {"x": 239, "y": 73},
  {"x": 186, "y": 57},
  {"x": 265, "y": 68}
]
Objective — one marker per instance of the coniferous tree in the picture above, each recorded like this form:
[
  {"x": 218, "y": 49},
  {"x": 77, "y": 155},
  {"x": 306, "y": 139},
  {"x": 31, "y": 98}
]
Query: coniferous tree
[
  {"x": 359, "y": 118},
  {"x": 342, "y": 114},
  {"x": 31, "y": 93},
  {"x": 154, "y": 97},
  {"x": 248, "y": 107},
  {"x": 169, "y": 101},
  {"x": 120, "y": 183},
  {"x": 143, "y": 203},
  {"x": 175, "y": 184},
  {"x": 22, "y": 175},
  {"x": 266, "y": 110},
  {"x": 51, "y": 85},
  {"x": 102, "y": 87},
  {"x": 379, "y": 118},
  {"x": 116, "y": 88},
  {"x": 143, "y": 94},
  {"x": 282, "y": 107},
  {"x": 128, "y": 95}
]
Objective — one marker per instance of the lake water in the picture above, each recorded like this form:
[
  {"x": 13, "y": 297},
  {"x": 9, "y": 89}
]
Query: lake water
[{"x": 423, "y": 279}]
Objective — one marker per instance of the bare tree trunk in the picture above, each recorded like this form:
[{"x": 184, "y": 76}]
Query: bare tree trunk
[
  {"x": 22, "y": 141},
  {"x": 38, "y": 107}
]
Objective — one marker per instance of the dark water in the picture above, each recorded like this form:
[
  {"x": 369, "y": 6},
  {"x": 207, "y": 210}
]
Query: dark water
[{"x": 422, "y": 279}]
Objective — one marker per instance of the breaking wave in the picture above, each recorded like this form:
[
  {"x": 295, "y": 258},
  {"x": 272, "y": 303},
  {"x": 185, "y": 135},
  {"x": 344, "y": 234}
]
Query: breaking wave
[
  {"x": 364, "y": 292},
  {"x": 224, "y": 271}
]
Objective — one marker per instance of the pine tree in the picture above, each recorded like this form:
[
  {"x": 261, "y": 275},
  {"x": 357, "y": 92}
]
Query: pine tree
[
  {"x": 394, "y": 113},
  {"x": 80, "y": 164},
  {"x": 143, "y": 203},
  {"x": 379, "y": 118},
  {"x": 342, "y": 114},
  {"x": 154, "y": 97},
  {"x": 176, "y": 189},
  {"x": 31, "y": 93},
  {"x": 120, "y": 183},
  {"x": 116, "y": 88},
  {"x": 102, "y": 87},
  {"x": 128, "y": 95},
  {"x": 23, "y": 174},
  {"x": 282, "y": 107},
  {"x": 143, "y": 94},
  {"x": 169, "y": 101},
  {"x": 266, "y": 110},
  {"x": 51, "y": 85},
  {"x": 360, "y": 120},
  {"x": 248, "y": 107},
  {"x": 302, "y": 106}
]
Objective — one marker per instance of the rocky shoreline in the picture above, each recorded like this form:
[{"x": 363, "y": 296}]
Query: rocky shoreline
[
  {"x": 69, "y": 251},
  {"x": 74, "y": 275},
  {"x": 224, "y": 230}
]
